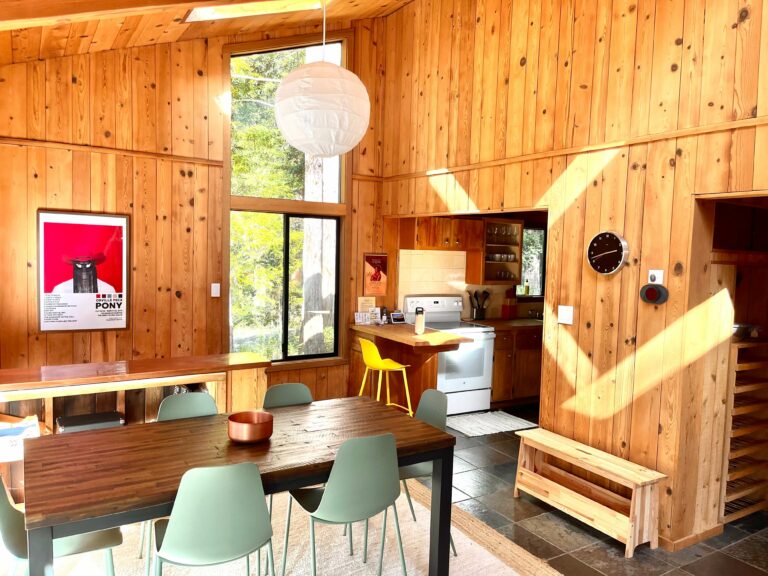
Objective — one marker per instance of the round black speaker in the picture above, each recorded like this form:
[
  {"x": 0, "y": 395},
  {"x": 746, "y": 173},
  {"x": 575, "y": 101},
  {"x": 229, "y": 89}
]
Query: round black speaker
[{"x": 654, "y": 294}]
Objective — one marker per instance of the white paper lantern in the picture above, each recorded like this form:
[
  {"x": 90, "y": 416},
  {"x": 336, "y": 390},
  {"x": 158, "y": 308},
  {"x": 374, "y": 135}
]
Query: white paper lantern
[{"x": 322, "y": 109}]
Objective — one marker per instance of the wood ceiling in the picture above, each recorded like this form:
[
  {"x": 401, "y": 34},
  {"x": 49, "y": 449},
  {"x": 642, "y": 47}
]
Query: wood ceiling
[{"x": 119, "y": 25}]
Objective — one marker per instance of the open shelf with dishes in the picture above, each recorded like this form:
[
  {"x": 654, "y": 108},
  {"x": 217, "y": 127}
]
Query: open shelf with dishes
[
  {"x": 499, "y": 261},
  {"x": 745, "y": 489}
]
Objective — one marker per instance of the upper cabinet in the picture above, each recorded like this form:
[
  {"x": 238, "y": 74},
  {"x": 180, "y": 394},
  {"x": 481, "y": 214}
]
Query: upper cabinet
[
  {"x": 499, "y": 259},
  {"x": 441, "y": 234}
]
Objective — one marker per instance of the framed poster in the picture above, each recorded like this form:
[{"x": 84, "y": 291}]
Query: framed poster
[
  {"x": 82, "y": 271},
  {"x": 374, "y": 275}
]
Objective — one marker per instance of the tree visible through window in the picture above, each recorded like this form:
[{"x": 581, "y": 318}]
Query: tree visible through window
[
  {"x": 534, "y": 241},
  {"x": 283, "y": 267}
]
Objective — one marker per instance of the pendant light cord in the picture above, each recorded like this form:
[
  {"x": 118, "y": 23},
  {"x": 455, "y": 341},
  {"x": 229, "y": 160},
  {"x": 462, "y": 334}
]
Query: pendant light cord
[{"x": 324, "y": 2}]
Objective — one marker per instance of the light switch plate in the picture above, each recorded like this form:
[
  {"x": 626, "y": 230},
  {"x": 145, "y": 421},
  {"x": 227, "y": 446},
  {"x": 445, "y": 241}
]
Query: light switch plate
[
  {"x": 215, "y": 290},
  {"x": 656, "y": 277},
  {"x": 565, "y": 315}
]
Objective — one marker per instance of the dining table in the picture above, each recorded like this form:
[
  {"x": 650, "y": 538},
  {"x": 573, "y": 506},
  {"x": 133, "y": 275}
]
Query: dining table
[{"x": 86, "y": 481}]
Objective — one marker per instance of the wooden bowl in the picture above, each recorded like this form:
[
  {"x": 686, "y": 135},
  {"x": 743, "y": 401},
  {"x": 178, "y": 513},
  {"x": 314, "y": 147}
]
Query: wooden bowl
[{"x": 250, "y": 426}]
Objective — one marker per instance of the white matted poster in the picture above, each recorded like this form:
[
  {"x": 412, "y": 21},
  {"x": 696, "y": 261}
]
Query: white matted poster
[{"x": 82, "y": 271}]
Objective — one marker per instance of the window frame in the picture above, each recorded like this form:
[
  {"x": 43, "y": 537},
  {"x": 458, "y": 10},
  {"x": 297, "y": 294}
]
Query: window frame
[
  {"x": 299, "y": 208},
  {"x": 536, "y": 298}
]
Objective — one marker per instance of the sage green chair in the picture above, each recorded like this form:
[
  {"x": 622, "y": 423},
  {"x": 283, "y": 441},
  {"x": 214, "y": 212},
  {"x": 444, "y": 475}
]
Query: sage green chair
[
  {"x": 292, "y": 394},
  {"x": 209, "y": 527},
  {"x": 14, "y": 536},
  {"x": 363, "y": 482},
  {"x": 188, "y": 405},
  {"x": 278, "y": 396},
  {"x": 433, "y": 409},
  {"x": 176, "y": 407}
]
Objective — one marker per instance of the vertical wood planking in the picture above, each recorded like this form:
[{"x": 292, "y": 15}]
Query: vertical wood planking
[
  {"x": 58, "y": 90},
  {"x": 164, "y": 260},
  {"x": 182, "y": 258},
  {"x": 144, "y": 98},
  {"x": 103, "y": 84},
  {"x": 182, "y": 99},
  {"x": 13, "y": 90},
  {"x": 200, "y": 265},
  {"x": 36, "y": 198},
  {"x": 144, "y": 247}
]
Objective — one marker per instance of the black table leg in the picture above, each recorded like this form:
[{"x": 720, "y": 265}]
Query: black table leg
[
  {"x": 440, "y": 527},
  {"x": 40, "y": 551}
]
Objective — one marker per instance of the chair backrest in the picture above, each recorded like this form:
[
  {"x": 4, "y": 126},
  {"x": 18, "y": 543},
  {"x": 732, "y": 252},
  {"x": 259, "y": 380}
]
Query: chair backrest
[
  {"x": 364, "y": 480},
  {"x": 189, "y": 405},
  {"x": 291, "y": 394},
  {"x": 12, "y": 528},
  {"x": 371, "y": 355},
  {"x": 433, "y": 408},
  {"x": 220, "y": 514}
]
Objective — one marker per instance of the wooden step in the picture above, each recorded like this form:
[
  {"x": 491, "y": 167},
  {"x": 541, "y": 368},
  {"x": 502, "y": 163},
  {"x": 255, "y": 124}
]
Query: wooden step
[
  {"x": 746, "y": 425},
  {"x": 745, "y": 446},
  {"x": 744, "y": 404},
  {"x": 751, "y": 365},
  {"x": 751, "y": 343},
  {"x": 747, "y": 384},
  {"x": 744, "y": 507},
  {"x": 744, "y": 487},
  {"x": 745, "y": 466}
]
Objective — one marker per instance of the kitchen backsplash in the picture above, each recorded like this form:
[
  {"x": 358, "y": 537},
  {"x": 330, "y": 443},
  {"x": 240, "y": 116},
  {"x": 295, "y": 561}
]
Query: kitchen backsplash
[{"x": 444, "y": 272}]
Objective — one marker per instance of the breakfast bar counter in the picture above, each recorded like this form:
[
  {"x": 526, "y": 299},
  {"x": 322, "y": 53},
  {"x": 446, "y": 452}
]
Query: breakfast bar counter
[{"x": 399, "y": 342}]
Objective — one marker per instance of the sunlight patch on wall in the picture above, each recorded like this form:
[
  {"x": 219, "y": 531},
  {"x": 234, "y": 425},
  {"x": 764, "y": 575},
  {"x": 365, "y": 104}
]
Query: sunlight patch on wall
[{"x": 705, "y": 327}]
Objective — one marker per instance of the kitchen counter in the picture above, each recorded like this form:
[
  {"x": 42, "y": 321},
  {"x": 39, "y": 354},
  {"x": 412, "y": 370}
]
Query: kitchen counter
[
  {"x": 431, "y": 341},
  {"x": 499, "y": 324}
]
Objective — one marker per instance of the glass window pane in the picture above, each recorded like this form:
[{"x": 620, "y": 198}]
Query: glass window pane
[
  {"x": 533, "y": 262},
  {"x": 256, "y": 283},
  {"x": 312, "y": 286},
  {"x": 264, "y": 165}
]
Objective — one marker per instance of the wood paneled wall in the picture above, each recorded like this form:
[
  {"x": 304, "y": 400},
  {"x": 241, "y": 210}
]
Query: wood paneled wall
[
  {"x": 612, "y": 115},
  {"x": 138, "y": 131}
]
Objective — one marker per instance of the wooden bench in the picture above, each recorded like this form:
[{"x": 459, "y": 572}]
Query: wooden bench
[{"x": 632, "y": 521}]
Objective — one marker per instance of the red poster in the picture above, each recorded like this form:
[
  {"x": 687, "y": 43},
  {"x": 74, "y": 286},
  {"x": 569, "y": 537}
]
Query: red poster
[
  {"x": 83, "y": 271},
  {"x": 375, "y": 275}
]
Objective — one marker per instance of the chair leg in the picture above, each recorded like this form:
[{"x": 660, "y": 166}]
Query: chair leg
[
  {"x": 408, "y": 498},
  {"x": 389, "y": 400},
  {"x": 407, "y": 393},
  {"x": 258, "y": 563},
  {"x": 362, "y": 386},
  {"x": 312, "y": 544},
  {"x": 109, "y": 561},
  {"x": 383, "y": 536},
  {"x": 349, "y": 536},
  {"x": 271, "y": 558},
  {"x": 453, "y": 546},
  {"x": 378, "y": 389},
  {"x": 248, "y": 562},
  {"x": 143, "y": 536},
  {"x": 266, "y": 568},
  {"x": 158, "y": 566},
  {"x": 365, "y": 543},
  {"x": 399, "y": 540},
  {"x": 285, "y": 540},
  {"x": 148, "y": 552}
]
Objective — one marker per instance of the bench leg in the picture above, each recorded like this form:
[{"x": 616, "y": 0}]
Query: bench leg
[
  {"x": 653, "y": 527},
  {"x": 525, "y": 460}
]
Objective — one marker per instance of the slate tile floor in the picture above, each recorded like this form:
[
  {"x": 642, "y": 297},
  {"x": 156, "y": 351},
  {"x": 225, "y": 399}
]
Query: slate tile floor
[{"x": 483, "y": 478}]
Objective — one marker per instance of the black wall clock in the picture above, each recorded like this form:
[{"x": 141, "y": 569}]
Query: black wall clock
[{"x": 607, "y": 253}]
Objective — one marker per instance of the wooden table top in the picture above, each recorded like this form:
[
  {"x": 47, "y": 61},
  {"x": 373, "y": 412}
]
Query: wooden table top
[
  {"x": 72, "y": 477},
  {"x": 98, "y": 372},
  {"x": 403, "y": 333}
]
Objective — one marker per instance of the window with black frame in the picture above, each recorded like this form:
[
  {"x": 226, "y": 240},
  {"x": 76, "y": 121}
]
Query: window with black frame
[{"x": 284, "y": 279}]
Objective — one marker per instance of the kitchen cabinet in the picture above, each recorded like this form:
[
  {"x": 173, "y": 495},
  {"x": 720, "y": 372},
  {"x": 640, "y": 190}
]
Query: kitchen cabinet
[
  {"x": 498, "y": 261},
  {"x": 441, "y": 234},
  {"x": 516, "y": 362}
]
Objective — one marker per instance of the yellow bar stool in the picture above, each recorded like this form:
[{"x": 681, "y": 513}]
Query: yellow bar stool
[{"x": 375, "y": 363}]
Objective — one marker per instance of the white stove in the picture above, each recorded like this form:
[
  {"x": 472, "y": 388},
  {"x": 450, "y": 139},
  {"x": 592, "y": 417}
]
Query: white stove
[{"x": 465, "y": 374}]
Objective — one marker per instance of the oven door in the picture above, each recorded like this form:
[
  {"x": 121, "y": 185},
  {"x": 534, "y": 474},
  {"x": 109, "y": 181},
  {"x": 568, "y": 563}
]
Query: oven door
[{"x": 469, "y": 367}]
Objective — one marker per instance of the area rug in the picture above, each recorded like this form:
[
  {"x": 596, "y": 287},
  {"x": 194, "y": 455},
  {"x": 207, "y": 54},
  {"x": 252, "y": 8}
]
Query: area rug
[
  {"x": 488, "y": 423},
  {"x": 481, "y": 550}
]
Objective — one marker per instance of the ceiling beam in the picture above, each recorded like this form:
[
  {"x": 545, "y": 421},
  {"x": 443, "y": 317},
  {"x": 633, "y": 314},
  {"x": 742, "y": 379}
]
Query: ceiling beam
[{"x": 18, "y": 14}]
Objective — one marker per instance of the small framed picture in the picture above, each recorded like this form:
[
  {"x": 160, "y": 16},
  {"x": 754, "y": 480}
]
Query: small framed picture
[
  {"x": 83, "y": 263},
  {"x": 374, "y": 274}
]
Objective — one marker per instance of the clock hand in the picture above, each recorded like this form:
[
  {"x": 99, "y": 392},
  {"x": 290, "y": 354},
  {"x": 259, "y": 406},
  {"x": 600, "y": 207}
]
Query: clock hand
[{"x": 603, "y": 254}]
